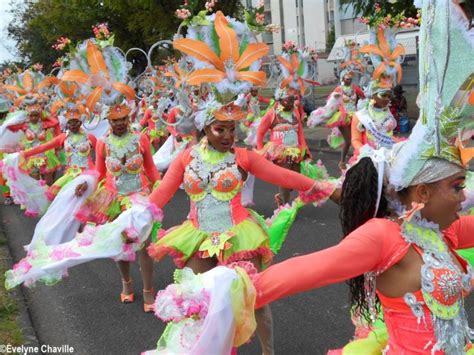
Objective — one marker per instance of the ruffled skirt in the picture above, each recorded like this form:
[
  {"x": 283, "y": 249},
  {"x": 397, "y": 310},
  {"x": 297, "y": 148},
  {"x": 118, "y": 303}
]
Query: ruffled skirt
[
  {"x": 280, "y": 153},
  {"x": 104, "y": 206},
  {"x": 43, "y": 164},
  {"x": 243, "y": 241},
  {"x": 339, "y": 119},
  {"x": 69, "y": 175}
]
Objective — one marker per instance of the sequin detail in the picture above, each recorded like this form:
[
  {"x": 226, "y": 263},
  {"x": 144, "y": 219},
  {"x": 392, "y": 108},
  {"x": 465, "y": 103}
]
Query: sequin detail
[
  {"x": 212, "y": 185},
  {"x": 127, "y": 176},
  {"x": 443, "y": 286},
  {"x": 77, "y": 148}
]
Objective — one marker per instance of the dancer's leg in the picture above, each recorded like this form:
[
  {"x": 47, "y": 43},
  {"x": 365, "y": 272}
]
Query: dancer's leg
[{"x": 264, "y": 320}]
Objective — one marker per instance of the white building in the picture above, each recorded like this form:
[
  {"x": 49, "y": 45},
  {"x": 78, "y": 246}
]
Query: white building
[{"x": 309, "y": 23}]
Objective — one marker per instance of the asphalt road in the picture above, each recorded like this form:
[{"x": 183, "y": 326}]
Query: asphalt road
[{"x": 84, "y": 311}]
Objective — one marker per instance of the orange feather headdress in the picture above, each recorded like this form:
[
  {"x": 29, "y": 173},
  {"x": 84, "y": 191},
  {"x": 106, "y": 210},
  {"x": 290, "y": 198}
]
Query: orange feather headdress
[{"x": 230, "y": 63}]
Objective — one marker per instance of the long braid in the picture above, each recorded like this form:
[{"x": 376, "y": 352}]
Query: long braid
[{"x": 358, "y": 201}]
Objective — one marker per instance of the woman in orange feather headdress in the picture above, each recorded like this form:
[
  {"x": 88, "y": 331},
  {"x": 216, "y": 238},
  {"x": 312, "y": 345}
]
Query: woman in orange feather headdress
[
  {"x": 219, "y": 229},
  {"x": 37, "y": 129}
]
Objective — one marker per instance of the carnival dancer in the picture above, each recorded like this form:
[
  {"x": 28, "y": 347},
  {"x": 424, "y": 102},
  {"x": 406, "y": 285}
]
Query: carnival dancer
[
  {"x": 287, "y": 146},
  {"x": 39, "y": 127},
  {"x": 125, "y": 171},
  {"x": 339, "y": 111},
  {"x": 125, "y": 166},
  {"x": 77, "y": 145},
  {"x": 400, "y": 220},
  {"x": 38, "y": 130},
  {"x": 219, "y": 229},
  {"x": 153, "y": 125},
  {"x": 374, "y": 123},
  {"x": 253, "y": 102}
]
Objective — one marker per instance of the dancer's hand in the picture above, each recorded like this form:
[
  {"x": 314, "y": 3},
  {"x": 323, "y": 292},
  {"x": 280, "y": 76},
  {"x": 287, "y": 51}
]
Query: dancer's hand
[{"x": 80, "y": 189}]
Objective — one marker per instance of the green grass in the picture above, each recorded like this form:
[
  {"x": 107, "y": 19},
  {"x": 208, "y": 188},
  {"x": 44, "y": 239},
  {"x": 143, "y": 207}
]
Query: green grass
[{"x": 10, "y": 332}]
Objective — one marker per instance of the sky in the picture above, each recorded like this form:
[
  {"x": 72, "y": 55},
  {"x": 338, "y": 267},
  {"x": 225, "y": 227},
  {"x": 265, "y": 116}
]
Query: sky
[{"x": 7, "y": 46}]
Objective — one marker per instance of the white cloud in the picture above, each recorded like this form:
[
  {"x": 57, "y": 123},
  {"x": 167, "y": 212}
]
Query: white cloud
[{"x": 7, "y": 46}]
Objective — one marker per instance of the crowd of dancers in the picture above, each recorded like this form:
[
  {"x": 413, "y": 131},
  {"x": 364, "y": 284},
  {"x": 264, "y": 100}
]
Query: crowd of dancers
[{"x": 98, "y": 156}]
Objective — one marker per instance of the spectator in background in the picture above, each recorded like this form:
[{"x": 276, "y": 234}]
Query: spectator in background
[{"x": 399, "y": 108}]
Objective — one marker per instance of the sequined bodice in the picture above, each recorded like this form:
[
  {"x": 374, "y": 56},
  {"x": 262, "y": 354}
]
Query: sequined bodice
[
  {"x": 211, "y": 185},
  {"x": 350, "y": 105},
  {"x": 77, "y": 148},
  {"x": 285, "y": 133},
  {"x": 35, "y": 135},
  {"x": 124, "y": 161},
  {"x": 443, "y": 286},
  {"x": 221, "y": 179}
]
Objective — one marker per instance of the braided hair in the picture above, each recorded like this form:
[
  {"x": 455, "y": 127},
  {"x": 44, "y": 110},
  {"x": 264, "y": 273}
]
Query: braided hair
[{"x": 358, "y": 201}]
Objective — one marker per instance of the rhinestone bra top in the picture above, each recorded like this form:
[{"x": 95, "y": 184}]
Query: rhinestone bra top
[
  {"x": 120, "y": 148},
  {"x": 221, "y": 179}
]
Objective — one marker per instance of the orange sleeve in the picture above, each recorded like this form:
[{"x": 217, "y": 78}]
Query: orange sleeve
[
  {"x": 264, "y": 100},
  {"x": 171, "y": 181},
  {"x": 271, "y": 173},
  {"x": 100, "y": 159},
  {"x": 150, "y": 169},
  {"x": 17, "y": 127},
  {"x": 461, "y": 233},
  {"x": 374, "y": 245},
  {"x": 53, "y": 123},
  {"x": 145, "y": 118},
  {"x": 92, "y": 140},
  {"x": 264, "y": 127},
  {"x": 356, "y": 135},
  {"x": 301, "y": 137},
  {"x": 171, "y": 118},
  {"x": 56, "y": 142},
  {"x": 359, "y": 92}
]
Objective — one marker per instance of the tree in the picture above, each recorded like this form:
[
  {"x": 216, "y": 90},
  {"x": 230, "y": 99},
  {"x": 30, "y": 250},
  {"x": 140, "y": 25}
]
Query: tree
[
  {"x": 331, "y": 39},
  {"x": 37, "y": 24},
  {"x": 366, "y": 7}
]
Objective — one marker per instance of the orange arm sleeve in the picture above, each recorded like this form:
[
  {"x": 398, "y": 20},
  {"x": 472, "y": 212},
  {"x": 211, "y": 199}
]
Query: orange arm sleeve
[
  {"x": 301, "y": 137},
  {"x": 145, "y": 118},
  {"x": 170, "y": 183},
  {"x": 171, "y": 118},
  {"x": 271, "y": 173},
  {"x": 150, "y": 169},
  {"x": 264, "y": 100},
  {"x": 17, "y": 127},
  {"x": 92, "y": 140},
  {"x": 264, "y": 127},
  {"x": 365, "y": 249},
  {"x": 55, "y": 143},
  {"x": 358, "y": 91},
  {"x": 461, "y": 232},
  {"x": 100, "y": 159},
  {"x": 356, "y": 139}
]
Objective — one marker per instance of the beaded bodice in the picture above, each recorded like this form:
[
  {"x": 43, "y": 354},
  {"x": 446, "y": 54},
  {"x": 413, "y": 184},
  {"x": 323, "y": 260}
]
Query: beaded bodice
[
  {"x": 350, "y": 102},
  {"x": 77, "y": 148},
  {"x": 124, "y": 161},
  {"x": 443, "y": 286},
  {"x": 212, "y": 180},
  {"x": 285, "y": 129},
  {"x": 35, "y": 135}
]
